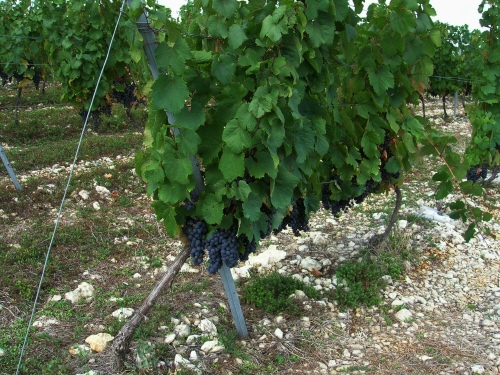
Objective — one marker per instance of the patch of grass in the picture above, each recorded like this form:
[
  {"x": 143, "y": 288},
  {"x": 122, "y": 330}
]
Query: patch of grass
[
  {"x": 48, "y": 153},
  {"x": 359, "y": 283},
  {"x": 271, "y": 292}
]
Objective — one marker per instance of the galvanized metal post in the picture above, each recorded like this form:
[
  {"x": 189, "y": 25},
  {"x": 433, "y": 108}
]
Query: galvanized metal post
[
  {"x": 10, "y": 171},
  {"x": 227, "y": 278}
]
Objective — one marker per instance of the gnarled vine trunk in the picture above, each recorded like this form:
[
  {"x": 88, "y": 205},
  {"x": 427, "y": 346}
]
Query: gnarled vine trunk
[{"x": 121, "y": 343}]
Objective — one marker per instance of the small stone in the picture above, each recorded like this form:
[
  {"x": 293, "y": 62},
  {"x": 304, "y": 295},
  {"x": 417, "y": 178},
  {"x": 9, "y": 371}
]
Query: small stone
[
  {"x": 208, "y": 327},
  {"x": 123, "y": 313},
  {"x": 278, "y": 333},
  {"x": 211, "y": 347},
  {"x": 170, "y": 338},
  {"x": 99, "y": 342},
  {"x": 96, "y": 206},
  {"x": 84, "y": 194},
  {"x": 182, "y": 330},
  {"x": 402, "y": 224},
  {"x": 403, "y": 314},
  {"x": 310, "y": 264},
  {"x": 299, "y": 294},
  {"x": 487, "y": 323},
  {"x": 425, "y": 358},
  {"x": 79, "y": 349},
  {"x": 193, "y": 356},
  {"x": 84, "y": 290},
  {"x": 102, "y": 190},
  {"x": 55, "y": 298},
  {"x": 477, "y": 369},
  {"x": 346, "y": 353}
]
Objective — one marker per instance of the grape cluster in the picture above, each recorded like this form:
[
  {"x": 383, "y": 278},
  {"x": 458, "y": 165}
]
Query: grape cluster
[
  {"x": 189, "y": 203},
  {"x": 37, "y": 78},
  {"x": 297, "y": 219},
  {"x": 196, "y": 230},
  {"x": 222, "y": 246},
  {"x": 476, "y": 173},
  {"x": 4, "y": 77},
  {"x": 250, "y": 247}
]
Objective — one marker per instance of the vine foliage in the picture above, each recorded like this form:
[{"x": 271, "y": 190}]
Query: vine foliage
[{"x": 283, "y": 105}]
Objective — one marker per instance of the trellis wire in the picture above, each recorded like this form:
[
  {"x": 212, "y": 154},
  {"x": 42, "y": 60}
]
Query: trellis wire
[{"x": 64, "y": 196}]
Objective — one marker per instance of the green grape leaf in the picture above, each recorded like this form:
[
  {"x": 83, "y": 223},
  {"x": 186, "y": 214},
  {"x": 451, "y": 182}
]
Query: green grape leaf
[
  {"x": 166, "y": 213},
  {"x": 188, "y": 142},
  {"x": 443, "y": 190},
  {"x": 414, "y": 50},
  {"x": 223, "y": 68},
  {"x": 231, "y": 165},
  {"x": 251, "y": 207},
  {"x": 246, "y": 119},
  {"x": 313, "y": 6},
  {"x": 177, "y": 170},
  {"x": 260, "y": 164},
  {"x": 304, "y": 143},
  {"x": 190, "y": 117},
  {"x": 217, "y": 27},
  {"x": 242, "y": 190},
  {"x": 236, "y": 36},
  {"x": 282, "y": 188},
  {"x": 381, "y": 79},
  {"x": 370, "y": 142},
  {"x": 321, "y": 30},
  {"x": 469, "y": 233},
  {"x": 236, "y": 138},
  {"x": 175, "y": 56},
  {"x": 262, "y": 102},
  {"x": 169, "y": 93},
  {"x": 212, "y": 209},
  {"x": 225, "y": 7}
]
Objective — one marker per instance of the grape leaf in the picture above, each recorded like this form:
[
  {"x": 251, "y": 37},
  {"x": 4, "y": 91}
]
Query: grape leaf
[
  {"x": 260, "y": 164},
  {"x": 190, "y": 117},
  {"x": 236, "y": 36},
  {"x": 381, "y": 79},
  {"x": 231, "y": 165},
  {"x": 282, "y": 188},
  {"x": 236, "y": 138},
  {"x": 169, "y": 93},
  {"x": 251, "y": 207},
  {"x": 212, "y": 209},
  {"x": 225, "y": 7},
  {"x": 223, "y": 68},
  {"x": 166, "y": 213}
]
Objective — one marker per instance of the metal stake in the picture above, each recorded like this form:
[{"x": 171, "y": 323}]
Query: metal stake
[{"x": 9, "y": 169}]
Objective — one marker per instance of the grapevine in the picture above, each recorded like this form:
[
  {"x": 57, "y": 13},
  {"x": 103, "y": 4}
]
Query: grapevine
[{"x": 273, "y": 99}]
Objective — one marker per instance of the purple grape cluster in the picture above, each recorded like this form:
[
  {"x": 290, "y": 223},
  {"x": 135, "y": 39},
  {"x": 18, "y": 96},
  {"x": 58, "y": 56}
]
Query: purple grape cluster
[
  {"x": 196, "y": 231},
  {"x": 222, "y": 246}
]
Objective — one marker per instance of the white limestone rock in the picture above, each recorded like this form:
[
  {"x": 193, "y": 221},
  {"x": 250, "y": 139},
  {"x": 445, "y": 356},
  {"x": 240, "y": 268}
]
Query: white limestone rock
[
  {"x": 182, "y": 330},
  {"x": 84, "y": 194},
  {"x": 84, "y": 290},
  {"x": 207, "y": 326},
  {"x": 310, "y": 264},
  {"x": 211, "y": 347},
  {"x": 267, "y": 258},
  {"x": 403, "y": 315},
  {"x": 170, "y": 338},
  {"x": 123, "y": 313},
  {"x": 101, "y": 190},
  {"x": 241, "y": 272}
]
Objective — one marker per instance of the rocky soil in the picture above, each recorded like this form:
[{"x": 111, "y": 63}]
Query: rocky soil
[{"x": 443, "y": 317}]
